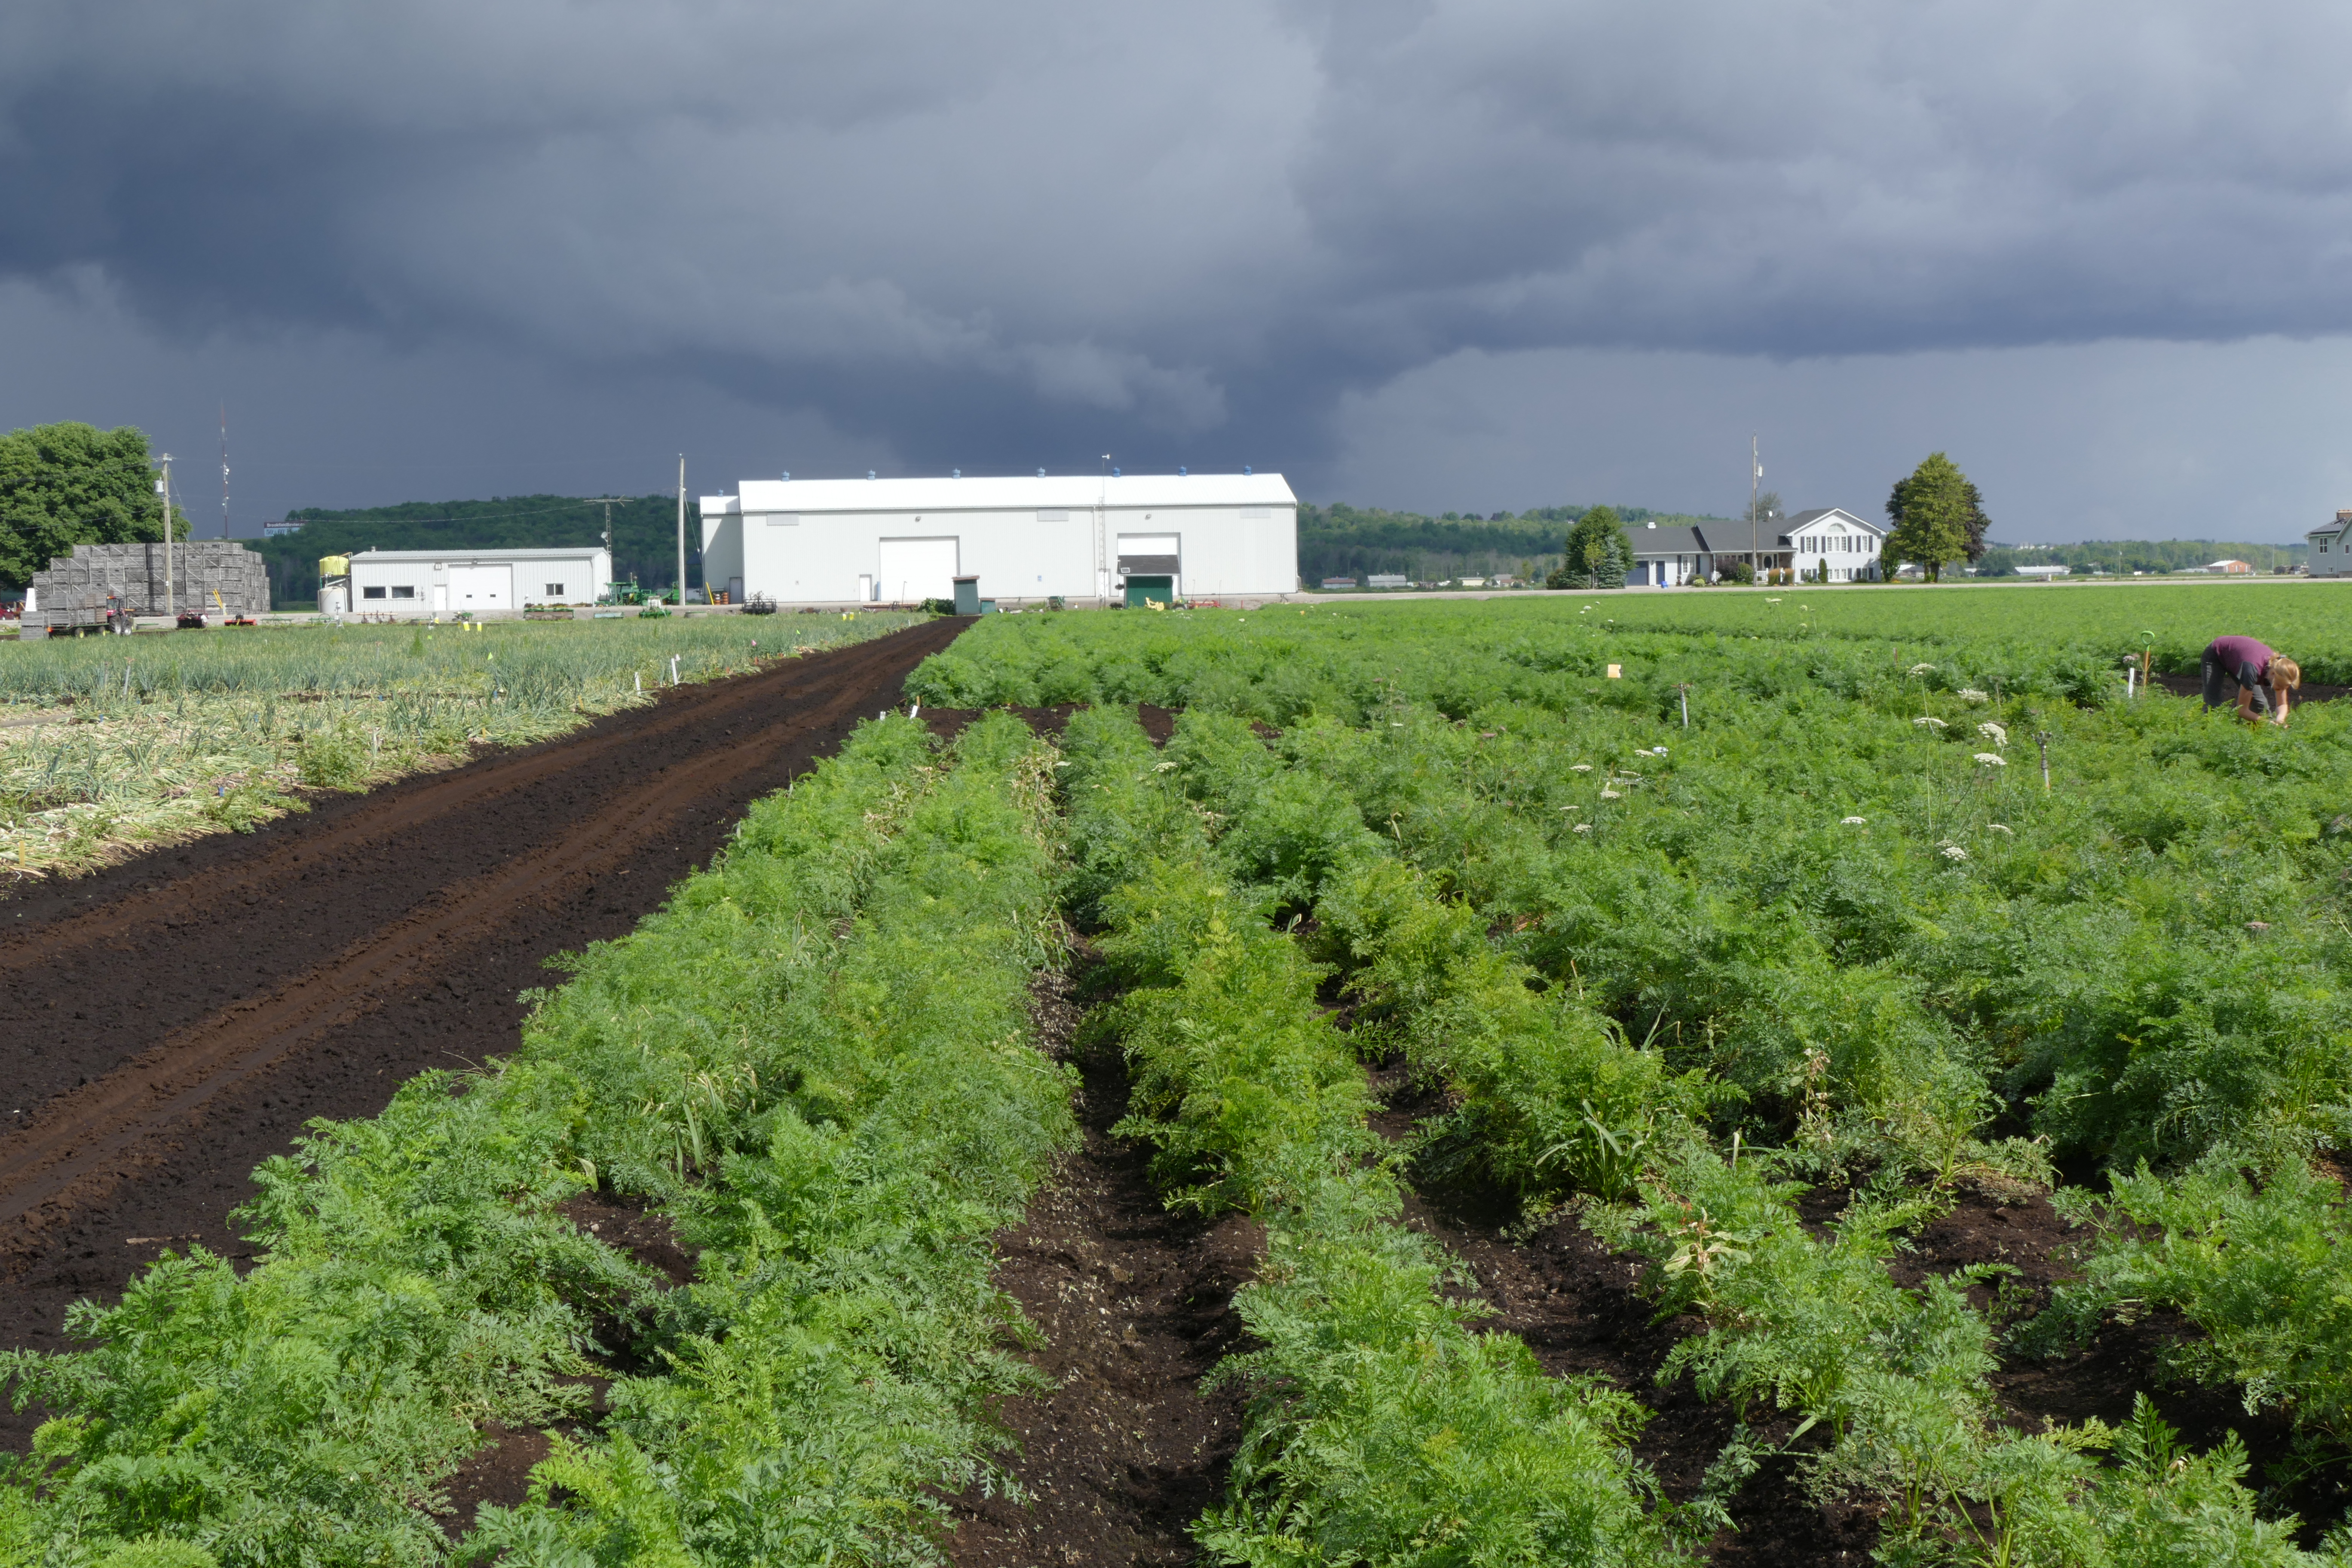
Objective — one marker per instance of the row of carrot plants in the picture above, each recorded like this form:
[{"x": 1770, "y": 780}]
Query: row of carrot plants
[
  {"x": 1386, "y": 1427},
  {"x": 813, "y": 1062},
  {"x": 1835, "y": 876},
  {"x": 1553, "y": 1100}
]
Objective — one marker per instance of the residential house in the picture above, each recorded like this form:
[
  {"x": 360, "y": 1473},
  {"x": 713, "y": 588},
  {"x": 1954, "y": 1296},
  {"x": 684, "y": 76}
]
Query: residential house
[
  {"x": 1834, "y": 541},
  {"x": 2331, "y": 548}
]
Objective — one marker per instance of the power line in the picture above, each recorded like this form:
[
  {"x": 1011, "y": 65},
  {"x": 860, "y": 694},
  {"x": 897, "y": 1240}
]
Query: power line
[{"x": 375, "y": 514}]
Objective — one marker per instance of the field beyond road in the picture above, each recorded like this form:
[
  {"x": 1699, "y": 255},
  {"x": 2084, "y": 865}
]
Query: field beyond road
[{"x": 109, "y": 744}]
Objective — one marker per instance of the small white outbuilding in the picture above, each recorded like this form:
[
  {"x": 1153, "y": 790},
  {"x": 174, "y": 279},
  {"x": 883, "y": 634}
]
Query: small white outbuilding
[
  {"x": 443, "y": 582},
  {"x": 1084, "y": 540}
]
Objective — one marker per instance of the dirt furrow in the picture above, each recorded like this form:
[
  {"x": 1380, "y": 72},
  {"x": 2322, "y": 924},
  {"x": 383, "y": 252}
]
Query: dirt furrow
[
  {"x": 194, "y": 1008},
  {"x": 1135, "y": 1304}
]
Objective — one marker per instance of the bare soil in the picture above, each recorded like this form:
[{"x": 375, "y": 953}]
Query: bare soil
[
  {"x": 1578, "y": 1308},
  {"x": 1135, "y": 1303},
  {"x": 178, "y": 1019}
]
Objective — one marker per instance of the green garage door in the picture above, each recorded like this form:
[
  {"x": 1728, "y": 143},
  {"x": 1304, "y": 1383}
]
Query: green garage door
[{"x": 1141, "y": 591}]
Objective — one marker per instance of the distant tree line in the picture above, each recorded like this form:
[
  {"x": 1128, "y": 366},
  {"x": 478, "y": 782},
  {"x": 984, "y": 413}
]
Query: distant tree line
[
  {"x": 645, "y": 536},
  {"x": 68, "y": 484},
  {"x": 2152, "y": 557},
  {"x": 1343, "y": 541}
]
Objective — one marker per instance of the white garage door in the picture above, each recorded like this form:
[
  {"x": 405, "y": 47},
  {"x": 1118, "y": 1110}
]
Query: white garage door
[
  {"x": 481, "y": 587},
  {"x": 915, "y": 569}
]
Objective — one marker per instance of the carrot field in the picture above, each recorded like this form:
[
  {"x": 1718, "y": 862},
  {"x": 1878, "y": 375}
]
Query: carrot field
[{"x": 1746, "y": 938}]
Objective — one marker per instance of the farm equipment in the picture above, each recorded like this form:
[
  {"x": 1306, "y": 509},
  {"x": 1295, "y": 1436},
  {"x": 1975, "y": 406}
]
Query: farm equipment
[{"x": 628, "y": 594}]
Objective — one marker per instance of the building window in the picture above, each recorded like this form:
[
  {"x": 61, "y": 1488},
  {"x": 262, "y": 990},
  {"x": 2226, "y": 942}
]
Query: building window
[
  {"x": 403, "y": 591},
  {"x": 555, "y": 590},
  {"x": 371, "y": 592}
]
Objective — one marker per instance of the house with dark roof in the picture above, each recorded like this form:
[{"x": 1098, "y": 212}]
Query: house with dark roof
[
  {"x": 1667, "y": 555},
  {"x": 2331, "y": 548}
]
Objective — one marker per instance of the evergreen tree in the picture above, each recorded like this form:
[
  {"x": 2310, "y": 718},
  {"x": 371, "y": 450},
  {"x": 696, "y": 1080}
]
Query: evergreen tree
[
  {"x": 1597, "y": 552},
  {"x": 1931, "y": 511}
]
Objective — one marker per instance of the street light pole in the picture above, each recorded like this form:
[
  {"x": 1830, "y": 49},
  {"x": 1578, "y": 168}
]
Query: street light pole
[
  {"x": 681, "y": 533},
  {"x": 164, "y": 489},
  {"x": 607, "y": 502},
  {"x": 1755, "y": 479}
]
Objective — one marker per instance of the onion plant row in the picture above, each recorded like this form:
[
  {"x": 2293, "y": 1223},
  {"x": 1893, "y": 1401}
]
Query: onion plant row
[
  {"x": 146, "y": 739},
  {"x": 813, "y": 1062}
]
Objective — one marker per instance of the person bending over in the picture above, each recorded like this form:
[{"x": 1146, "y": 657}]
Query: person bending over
[{"x": 2261, "y": 679}]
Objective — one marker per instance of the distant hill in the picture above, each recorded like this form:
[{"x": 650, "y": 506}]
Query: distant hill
[{"x": 645, "y": 536}]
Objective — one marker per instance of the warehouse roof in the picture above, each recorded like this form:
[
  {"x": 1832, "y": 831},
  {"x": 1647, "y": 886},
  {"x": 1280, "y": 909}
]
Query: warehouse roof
[
  {"x": 569, "y": 552},
  {"x": 1003, "y": 493}
]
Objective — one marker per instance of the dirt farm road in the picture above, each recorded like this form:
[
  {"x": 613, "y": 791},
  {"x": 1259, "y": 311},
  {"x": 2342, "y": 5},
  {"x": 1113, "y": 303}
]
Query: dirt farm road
[{"x": 175, "y": 1020}]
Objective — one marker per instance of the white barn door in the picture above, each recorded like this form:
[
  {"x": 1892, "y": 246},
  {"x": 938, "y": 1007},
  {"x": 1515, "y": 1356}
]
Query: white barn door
[
  {"x": 481, "y": 587},
  {"x": 913, "y": 569}
]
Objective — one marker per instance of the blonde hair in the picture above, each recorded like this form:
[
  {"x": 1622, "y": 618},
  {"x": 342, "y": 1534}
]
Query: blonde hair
[{"x": 2286, "y": 672}]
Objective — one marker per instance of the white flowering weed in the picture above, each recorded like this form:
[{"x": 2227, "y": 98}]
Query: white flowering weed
[
  {"x": 1930, "y": 723},
  {"x": 1992, "y": 758}
]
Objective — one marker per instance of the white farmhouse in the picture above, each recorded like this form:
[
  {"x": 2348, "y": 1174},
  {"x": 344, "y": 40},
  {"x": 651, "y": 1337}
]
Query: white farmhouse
[
  {"x": 1834, "y": 538},
  {"x": 1085, "y": 540}
]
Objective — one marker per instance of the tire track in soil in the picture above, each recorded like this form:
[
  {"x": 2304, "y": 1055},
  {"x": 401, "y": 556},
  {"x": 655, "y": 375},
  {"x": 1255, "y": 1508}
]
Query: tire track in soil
[
  {"x": 209, "y": 1000},
  {"x": 1135, "y": 1303}
]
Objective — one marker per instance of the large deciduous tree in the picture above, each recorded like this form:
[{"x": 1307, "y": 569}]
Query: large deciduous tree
[
  {"x": 1937, "y": 515},
  {"x": 63, "y": 485}
]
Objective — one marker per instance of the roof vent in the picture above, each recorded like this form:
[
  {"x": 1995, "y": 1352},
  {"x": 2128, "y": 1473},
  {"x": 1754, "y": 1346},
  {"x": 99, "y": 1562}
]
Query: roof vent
[
  {"x": 1245, "y": 469},
  {"x": 955, "y": 473},
  {"x": 787, "y": 474},
  {"x": 1040, "y": 473},
  {"x": 1179, "y": 470},
  {"x": 869, "y": 473},
  {"x": 1114, "y": 473}
]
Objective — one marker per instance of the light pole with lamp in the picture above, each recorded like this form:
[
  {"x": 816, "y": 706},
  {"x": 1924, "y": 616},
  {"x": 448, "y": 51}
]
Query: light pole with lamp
[{"x": 164, "y": 489}]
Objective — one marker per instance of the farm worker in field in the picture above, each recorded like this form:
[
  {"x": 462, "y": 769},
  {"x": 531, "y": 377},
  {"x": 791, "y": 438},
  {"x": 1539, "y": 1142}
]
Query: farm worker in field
[{"x": 2257, "y": 674}]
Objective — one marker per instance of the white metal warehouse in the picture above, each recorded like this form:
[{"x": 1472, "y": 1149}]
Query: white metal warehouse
[
  {"x": 443, "y": 582},
  {"x": 1085, "y": 540}
]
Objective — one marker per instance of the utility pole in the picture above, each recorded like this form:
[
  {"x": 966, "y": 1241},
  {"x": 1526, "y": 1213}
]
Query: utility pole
[
  {"x": 164, "y": 489},
  {"x": 681, "y": 533}
]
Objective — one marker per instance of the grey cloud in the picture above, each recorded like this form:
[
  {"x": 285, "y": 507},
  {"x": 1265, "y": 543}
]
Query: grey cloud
[{"x": 969, "y": 231}]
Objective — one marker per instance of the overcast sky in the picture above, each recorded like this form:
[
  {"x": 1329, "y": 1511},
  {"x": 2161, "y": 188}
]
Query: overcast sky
[{"x": 1427, "y": 255}]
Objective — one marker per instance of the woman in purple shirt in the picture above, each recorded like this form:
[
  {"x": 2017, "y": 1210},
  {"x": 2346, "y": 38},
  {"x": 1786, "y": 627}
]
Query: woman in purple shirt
[{"x": 2257, "y": 674}]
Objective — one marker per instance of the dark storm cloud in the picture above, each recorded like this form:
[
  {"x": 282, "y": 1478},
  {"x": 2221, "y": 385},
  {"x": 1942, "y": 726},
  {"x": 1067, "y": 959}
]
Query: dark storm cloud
[{"x": 974, "y": 231}]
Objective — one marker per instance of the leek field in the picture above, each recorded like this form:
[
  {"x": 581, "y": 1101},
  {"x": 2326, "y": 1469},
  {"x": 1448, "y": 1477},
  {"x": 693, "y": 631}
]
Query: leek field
[
  {"x": 112, "y": 745},
  {"x": 1754, "y": 959}
]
